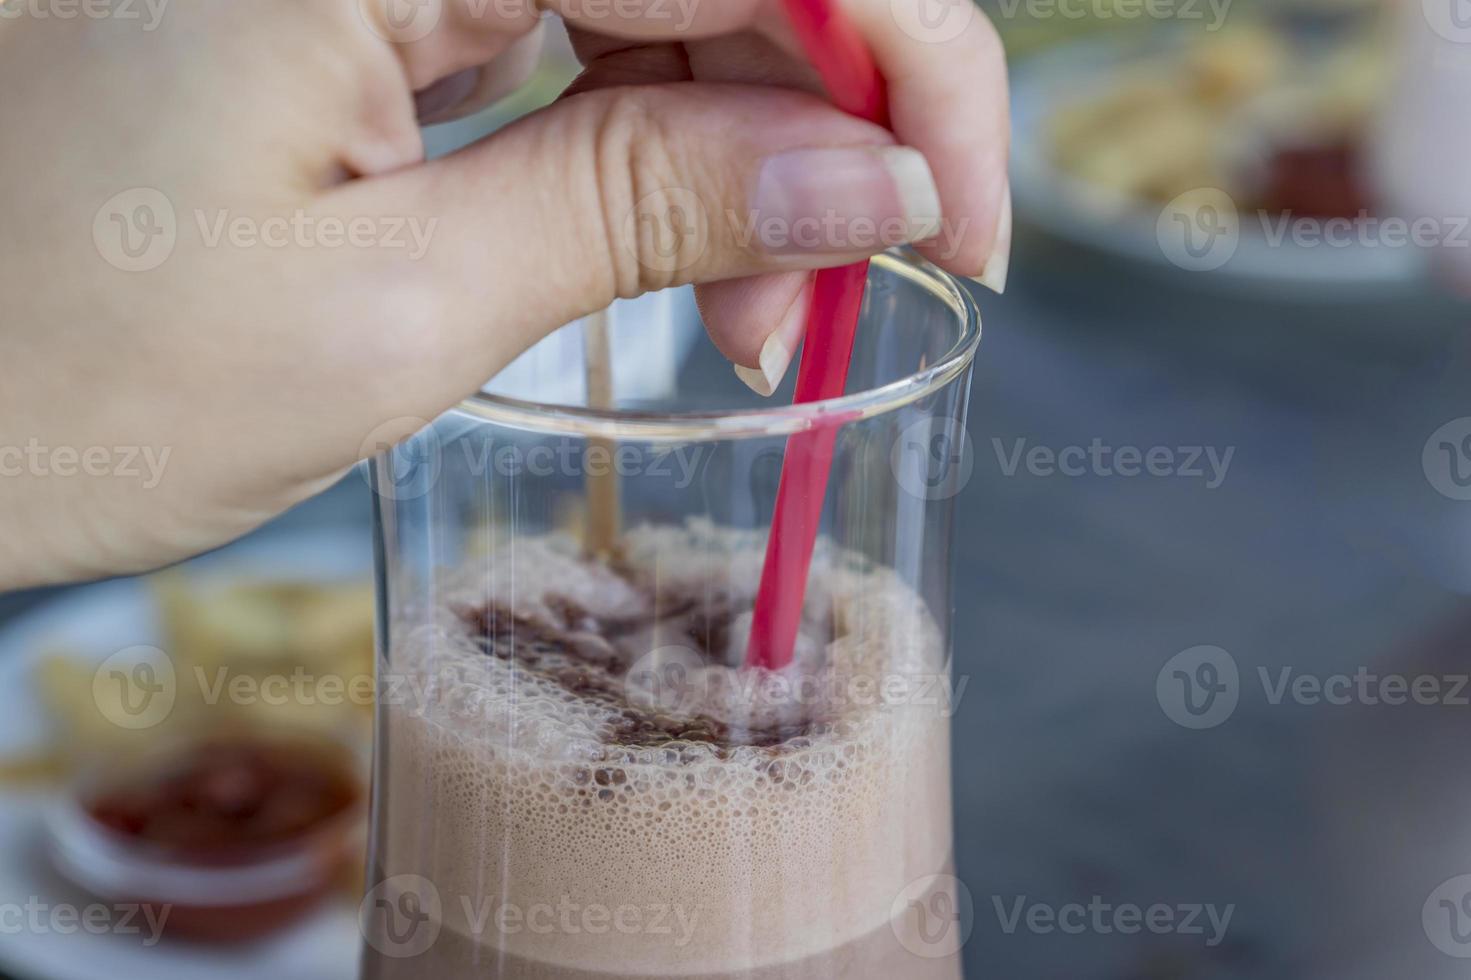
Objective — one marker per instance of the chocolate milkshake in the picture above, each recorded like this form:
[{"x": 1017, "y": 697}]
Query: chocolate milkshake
[{"x": 581, "y": 781}]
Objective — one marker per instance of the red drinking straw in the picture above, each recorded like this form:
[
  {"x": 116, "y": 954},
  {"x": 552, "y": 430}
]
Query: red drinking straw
[{"x": 853, "y": 81}]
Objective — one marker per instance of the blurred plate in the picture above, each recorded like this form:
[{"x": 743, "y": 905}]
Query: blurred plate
[
  {"x": 95, "y": 620},
  {"x": 1064, "y": 207}
]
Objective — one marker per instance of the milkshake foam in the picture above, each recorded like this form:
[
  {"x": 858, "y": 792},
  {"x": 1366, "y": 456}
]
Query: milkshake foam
[{"x": 574, "y": 753}]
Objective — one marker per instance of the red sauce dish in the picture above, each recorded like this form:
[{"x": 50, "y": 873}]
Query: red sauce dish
[{"x": 230, "y": 837}]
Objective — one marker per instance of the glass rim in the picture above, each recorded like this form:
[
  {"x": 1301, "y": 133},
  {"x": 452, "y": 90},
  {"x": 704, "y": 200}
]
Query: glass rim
[{"x": 742, "y": 423}]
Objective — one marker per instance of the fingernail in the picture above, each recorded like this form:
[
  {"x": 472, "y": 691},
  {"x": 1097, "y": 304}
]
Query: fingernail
[
  {"x": 999, "y": 264},
  {"x": 776, "y": 353},
  {"x": 845, "y": 201}
]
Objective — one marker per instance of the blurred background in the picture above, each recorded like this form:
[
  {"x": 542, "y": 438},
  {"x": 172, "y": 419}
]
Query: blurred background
[{"x": 1214, "y": 556}]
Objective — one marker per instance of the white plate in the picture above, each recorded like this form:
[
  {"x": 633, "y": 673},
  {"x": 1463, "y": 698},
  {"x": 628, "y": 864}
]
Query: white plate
[{"x": 107, "y": 617}]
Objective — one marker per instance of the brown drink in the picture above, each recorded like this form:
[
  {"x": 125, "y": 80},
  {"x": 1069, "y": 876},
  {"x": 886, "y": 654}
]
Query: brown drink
[{"x": 585, "y": 785}]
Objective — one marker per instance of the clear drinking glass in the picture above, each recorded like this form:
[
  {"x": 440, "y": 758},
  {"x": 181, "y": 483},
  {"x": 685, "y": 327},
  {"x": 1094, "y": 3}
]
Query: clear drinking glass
[{"x": 575, "y": 777}]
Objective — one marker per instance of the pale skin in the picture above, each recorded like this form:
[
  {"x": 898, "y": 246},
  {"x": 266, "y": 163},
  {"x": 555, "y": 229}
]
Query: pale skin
[{"x": 265, "y": 370}]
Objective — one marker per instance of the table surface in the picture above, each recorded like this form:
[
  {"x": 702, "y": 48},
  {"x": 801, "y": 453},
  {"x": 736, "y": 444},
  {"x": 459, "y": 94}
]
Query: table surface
[{"x": 1325, "y": 548}]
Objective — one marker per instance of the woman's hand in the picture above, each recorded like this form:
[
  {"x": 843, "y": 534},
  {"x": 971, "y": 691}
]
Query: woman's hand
[{"x": 226, "y": 263}]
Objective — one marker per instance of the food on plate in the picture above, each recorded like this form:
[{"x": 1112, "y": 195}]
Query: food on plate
[
  {"x": 1272, "y": 118},
  {"x": 241, "y": 654},
  {"x": 237, "y": 654}
]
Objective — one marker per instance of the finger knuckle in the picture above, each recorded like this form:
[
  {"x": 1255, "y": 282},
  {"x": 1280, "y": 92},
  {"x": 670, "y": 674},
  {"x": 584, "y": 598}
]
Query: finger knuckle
[{"x": 656, "y": 222}]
